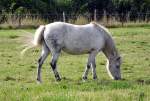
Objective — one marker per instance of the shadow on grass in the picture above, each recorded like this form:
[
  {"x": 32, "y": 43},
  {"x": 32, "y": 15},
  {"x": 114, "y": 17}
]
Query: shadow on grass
[
  {"x": 8, "y": 78},
  {"x": 13, "y": 36},
  {"x": 142, "y": 81},
  {"x": 96, "y": 85},
  {"x": 93, "y": 85}
]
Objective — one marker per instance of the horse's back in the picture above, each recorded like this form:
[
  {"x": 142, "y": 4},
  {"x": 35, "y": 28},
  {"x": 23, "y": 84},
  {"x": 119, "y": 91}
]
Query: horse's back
[{"x": 75, "y": 39}]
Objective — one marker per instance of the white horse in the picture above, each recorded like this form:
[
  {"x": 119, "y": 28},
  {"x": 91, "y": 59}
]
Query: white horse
[{"x": 77, "y": 39}]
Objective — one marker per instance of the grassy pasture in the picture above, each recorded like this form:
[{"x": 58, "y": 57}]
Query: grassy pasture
[{"x": 18, "y": 75}]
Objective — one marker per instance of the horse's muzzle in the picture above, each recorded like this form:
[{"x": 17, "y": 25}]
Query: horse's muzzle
[{"x": 117, "y": 78}]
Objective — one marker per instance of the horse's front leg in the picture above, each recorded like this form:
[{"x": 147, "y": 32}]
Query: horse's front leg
[
  {"x": 44, "y": 54},
  {"x": 87, "y": 68},
  {"x": 93, "y": 55},
  {"x": 85, "y": 74},
  {"x": 94, "y": 70},
  {"x": 53, "y": 64},
  {"x": 90, "y": 63}
]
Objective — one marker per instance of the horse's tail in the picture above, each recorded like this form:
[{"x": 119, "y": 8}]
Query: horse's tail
[
  {"x": 35, "y": 41},
  {"x": 38, "y": 37}
]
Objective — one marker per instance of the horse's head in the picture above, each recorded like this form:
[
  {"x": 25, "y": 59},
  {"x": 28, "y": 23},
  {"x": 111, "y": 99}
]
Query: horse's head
[{"x": 113, "y": 68}]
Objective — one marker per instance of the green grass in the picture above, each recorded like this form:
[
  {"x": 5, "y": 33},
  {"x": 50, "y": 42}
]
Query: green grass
[{"x": 18, "y": 75}]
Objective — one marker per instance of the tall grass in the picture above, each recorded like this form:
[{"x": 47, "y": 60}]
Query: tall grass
[
  {"x": 32, "y": 21},
  {"x": 22, "y": 22}
]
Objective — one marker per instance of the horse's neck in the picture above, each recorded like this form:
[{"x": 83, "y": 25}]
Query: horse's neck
[{"x": 110, "y": 50}]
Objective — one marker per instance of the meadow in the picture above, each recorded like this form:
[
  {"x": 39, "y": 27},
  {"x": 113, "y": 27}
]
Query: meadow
[{"x": 18, "y": 74}]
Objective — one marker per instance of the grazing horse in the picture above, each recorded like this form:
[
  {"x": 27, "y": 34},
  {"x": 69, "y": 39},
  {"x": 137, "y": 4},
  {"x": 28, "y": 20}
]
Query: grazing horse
[{"x": 77, "y": 39}]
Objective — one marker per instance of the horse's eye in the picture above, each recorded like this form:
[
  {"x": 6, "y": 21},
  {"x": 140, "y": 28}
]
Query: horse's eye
[{"x": 118, "y": 67}]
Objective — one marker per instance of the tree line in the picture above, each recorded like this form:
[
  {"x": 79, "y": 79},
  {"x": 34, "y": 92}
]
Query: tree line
[
  {"x": 122, "y": 8},
  {"x": 73, "y": 6}
]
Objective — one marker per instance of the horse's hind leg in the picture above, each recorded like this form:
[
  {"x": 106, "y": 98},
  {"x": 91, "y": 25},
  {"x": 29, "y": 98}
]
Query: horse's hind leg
[
  {"x": 91, "y": 63},
  {"x": 55, "y": 49},
  {"x": 44, "y": 54},
  {"x": 55, "y": 54}
]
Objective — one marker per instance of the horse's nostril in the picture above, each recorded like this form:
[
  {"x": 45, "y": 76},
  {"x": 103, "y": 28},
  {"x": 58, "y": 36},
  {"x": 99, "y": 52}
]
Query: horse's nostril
[{"x": 117, "y": 78}]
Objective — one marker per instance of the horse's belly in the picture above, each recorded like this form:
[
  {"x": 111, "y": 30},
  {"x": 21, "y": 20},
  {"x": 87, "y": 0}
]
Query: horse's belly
[
  {"x": 76, "y": 50},
  {"x": 82, "y": 46}
]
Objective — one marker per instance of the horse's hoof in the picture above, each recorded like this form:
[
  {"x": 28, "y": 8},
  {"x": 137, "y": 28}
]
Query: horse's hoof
[
  {"x": 58, "y": 79},
  {"x": 95, "y": 78},
  {"x": 39, "y": 82},
  {"x": 84, "y": 79}
]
